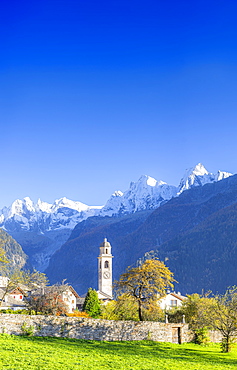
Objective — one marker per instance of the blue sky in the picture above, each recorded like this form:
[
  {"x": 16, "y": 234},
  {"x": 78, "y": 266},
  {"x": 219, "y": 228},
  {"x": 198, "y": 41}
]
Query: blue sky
[{"x": 96, "y": 93}]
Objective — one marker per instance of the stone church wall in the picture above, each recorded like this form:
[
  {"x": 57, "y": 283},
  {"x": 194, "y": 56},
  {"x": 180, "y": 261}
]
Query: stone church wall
[{"x": 94, "y": 329}]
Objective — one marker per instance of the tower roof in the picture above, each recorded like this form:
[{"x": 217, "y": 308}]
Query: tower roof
[{"x": 105, "y": 243}]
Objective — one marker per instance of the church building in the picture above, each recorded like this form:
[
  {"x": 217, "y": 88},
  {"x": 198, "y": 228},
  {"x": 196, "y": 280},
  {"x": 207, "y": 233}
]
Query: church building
[{"x": 105, "y": 291}]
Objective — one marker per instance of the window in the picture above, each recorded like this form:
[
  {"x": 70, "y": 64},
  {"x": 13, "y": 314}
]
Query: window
[
  {"x": 106, "y": 264},
  {"x": 173, "y": 303},
  {"x": 20, "y": 296},
  {"x": 106, "y": 251},
  {"x": 73, "y": 301}
]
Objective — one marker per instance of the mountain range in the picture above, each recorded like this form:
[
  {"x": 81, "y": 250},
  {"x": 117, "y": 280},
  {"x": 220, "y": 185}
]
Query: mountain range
[
  {"x": 195, "y": 234},
  {"x": 63, "y": 238},
  {"x": 146, "y": 193}
]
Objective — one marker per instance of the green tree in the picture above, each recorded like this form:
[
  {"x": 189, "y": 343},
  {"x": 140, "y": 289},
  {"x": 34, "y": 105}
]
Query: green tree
[
  {"x": 92, "y": 304},
  {"x": 196, "y": 309},
  {"x": 145, "y": 283},
  {"x": 124, "y": 308},
  {"x": 218, "y": 313}
]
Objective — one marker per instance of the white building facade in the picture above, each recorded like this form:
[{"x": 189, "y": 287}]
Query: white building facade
[
  {"x": 105, "y": 290},
  {"x": 69, "y": 296},
  {"x": 171, "y": 300}
]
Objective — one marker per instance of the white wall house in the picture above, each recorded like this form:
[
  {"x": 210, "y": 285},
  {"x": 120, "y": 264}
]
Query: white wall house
[
  {"x": 13, "y": 300},
  {"x": 17, "y": 294},
  {"x": 171, "y": 300},
  {"x": 69, "y": 296}
]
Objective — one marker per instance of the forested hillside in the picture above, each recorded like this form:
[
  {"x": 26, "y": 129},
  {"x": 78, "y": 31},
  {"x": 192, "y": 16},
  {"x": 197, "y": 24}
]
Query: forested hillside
[{"x": 14, "y": 253}]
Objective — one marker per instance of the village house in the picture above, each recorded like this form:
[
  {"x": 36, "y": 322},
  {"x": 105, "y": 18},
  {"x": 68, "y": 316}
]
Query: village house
[
  {"x": 70, "y": 296},
  {"x": 13, "y": 300},
  {"x": 171, "y": 300},
  {"x": 16, "y": 299},
  {"x": 66, "y": 293}
]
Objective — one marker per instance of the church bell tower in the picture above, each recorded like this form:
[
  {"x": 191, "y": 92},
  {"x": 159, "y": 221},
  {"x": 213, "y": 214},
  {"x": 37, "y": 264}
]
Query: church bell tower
[{"x": 105, "y": 271}]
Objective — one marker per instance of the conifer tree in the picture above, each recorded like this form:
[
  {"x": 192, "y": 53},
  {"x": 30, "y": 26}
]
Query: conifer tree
[{"x": 92, "y": 304}]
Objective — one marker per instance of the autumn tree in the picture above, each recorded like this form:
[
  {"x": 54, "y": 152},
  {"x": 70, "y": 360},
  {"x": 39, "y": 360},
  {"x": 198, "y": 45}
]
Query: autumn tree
[
  {"x": 222, "y": 316},
  {"x": 92, "y": 303},
  {"x": 144, "y": 283},
  {"x": 153, "y": 312}
]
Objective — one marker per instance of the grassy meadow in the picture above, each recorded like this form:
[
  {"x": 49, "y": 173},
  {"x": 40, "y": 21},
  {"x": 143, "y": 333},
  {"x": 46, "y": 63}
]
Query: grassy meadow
[{"x": 38, "y": 353}]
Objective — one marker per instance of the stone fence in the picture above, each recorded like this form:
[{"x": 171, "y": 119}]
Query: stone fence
[{"x": 94, "y": 329}]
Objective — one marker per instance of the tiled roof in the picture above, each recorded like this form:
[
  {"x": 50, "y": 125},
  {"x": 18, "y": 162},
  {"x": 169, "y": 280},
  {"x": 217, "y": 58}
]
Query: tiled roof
[{"x": 178, "y": 296}]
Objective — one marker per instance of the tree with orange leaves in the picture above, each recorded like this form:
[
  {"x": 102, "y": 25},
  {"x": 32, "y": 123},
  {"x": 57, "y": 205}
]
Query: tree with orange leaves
[{"x": 145, "y": 282}]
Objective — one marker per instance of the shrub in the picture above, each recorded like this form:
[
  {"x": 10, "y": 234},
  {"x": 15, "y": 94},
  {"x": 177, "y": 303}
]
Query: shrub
[
  {"x": 201, "y": 336},
  {"x": 78, "y": 314},
  {"x": 27, "y": 330}
]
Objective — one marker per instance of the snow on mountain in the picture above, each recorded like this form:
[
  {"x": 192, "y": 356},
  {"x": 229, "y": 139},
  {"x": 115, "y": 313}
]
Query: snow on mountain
[
  {"x": 199, "y": 176},
  {"x": 43, "y": 216},
  {"x": 222, "y": 175},
  {"x": 146, "y": 193}
]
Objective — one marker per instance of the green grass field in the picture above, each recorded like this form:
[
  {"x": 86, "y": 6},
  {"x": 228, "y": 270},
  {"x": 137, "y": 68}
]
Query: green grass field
[{"x": 19, "y": 353}]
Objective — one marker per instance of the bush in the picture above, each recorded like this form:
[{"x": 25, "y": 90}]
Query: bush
[
  {"x": 77, "y": 313},
  {"x": 27, "y": 330},
  {"x": 201, "y": 336},
  {"x": 19, "y": 312},
  {"x": 125, "y": 308}
]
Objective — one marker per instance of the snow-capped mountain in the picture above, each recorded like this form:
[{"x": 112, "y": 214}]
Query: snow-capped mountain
[
  {"x": 146, "y": 193},
  {"x": 198, "y": 176},
  {"x": 42, "y": 228},
  {"x": 42, "y": 216}
]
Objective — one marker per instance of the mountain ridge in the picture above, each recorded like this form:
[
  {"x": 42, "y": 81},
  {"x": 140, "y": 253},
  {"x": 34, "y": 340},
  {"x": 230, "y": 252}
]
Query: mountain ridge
[
  {"x": 156, "y": 233},
  {"x": 146, "y": 193},
  {"x": 42, "y": 228}
]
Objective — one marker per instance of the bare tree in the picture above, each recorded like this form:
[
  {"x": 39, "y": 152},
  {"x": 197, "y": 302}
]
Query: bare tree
[{"x": 49, "y": 300}]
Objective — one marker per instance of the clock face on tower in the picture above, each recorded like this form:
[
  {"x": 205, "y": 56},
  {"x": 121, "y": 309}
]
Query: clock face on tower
[{"x": 106, "y": 274}]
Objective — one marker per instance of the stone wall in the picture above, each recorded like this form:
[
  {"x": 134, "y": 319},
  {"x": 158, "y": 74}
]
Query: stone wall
[
  {"x": 215, "y": 336},
  {"x": 94, "y": 329}
]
